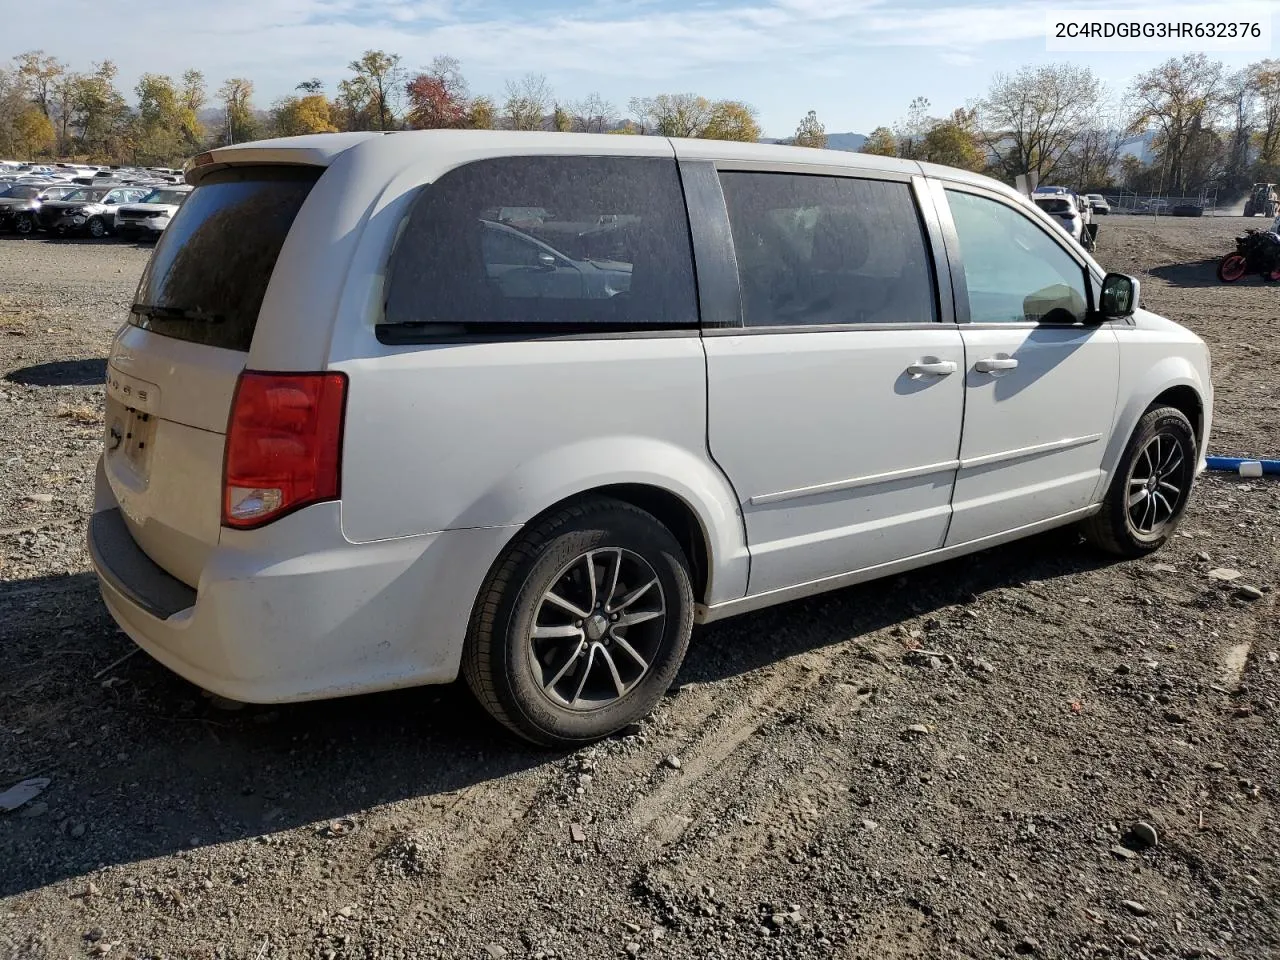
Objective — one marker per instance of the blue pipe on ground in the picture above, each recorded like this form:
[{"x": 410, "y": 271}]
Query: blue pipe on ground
[{"x": 1233, "y": 464}]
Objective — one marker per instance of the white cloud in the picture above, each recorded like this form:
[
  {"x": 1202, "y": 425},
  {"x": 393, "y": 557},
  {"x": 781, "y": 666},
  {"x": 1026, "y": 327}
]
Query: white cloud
[{"x": 755, "y": 48}]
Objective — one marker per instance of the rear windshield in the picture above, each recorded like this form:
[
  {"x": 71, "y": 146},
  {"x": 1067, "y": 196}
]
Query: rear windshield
[
  {"x": 1054, "y": 205},
  {"x": 209, "y": 272}
]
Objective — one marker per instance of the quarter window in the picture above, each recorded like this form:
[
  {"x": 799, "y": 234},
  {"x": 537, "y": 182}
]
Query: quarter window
[
  {"x": 1014, "y": 271},
  {"x": 828, "y": 250},
  {"x": 538, "y": 241}
]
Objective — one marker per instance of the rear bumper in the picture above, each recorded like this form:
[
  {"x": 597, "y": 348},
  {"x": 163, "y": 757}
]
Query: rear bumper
[{"x": 296, "y": 612}]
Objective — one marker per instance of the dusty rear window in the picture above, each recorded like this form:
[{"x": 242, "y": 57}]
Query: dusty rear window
[{"x": 209, "y": 272}]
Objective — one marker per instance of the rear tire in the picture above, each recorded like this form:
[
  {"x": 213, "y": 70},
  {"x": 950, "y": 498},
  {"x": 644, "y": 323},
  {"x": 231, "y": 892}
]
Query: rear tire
[
  {"x": 1149, "y": 492},
  {"x": 96, "y": 228},
  {"x": 561, "y": 679}
]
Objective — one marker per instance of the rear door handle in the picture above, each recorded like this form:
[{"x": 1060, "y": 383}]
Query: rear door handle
[
  {"x": 995, "y": 363},
  {"x": 931, "y": 368}
]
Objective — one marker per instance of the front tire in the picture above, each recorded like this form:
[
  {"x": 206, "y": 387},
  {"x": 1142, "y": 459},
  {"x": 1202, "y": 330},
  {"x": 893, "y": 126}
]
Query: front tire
[
  {"x": 582, "y": 625},
  {"x": 96, "y": 228},
  {"x": 1149, "y": 492},
  {"x": 24, "y": 224},
  {"x": 1232, "y": 267}
]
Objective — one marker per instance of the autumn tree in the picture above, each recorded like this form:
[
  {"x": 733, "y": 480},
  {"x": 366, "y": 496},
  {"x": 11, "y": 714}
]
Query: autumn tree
[
  {"x": 374, "y": 92},
  {"x": 481, "y": 114},
  {"x": 528, "y": 100},
  {"x": 881, "y": 142},
  {"x": 33, "y": 132},
  {"x": 12, "y": 105},
  {"x": 1030, "y": 119},
  {"x": 811, "y": 132},
  {"x": 1264, "y": 78},
  {"x": 192, "y": 98},
  {"x": 1179, "y": 100},
  {"x": 438, "y": 96},
  {"x": 240, "y": 124},
  {"x": 732, "y": 120},
  {"x": 39, "y": 75},
  {"x": 909, "y": 132},
  {"x": 1090, "y": 162},
  {"x": 689, "y": 115},
  {"x": 48, "y": 84},
  {"x": 294, "y": 116},
  {"x": 100, "y": 114},
  {"x": 592, "y": 114},
  {"x": 673, "y": 114},
  {"x": 954, "y": 142},
  {"x": 158, "y": 126}
]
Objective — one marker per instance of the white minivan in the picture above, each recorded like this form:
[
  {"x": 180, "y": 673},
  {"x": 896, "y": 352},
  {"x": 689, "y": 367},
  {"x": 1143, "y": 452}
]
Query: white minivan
[{"x": 372, "y": 422}]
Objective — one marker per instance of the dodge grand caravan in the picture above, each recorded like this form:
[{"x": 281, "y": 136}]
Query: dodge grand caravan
[{"x": 370, "y": 424}]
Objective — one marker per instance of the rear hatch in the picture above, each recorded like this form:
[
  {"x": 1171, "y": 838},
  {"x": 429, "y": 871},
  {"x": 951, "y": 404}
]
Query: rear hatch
[{"x": 173, "y": 368}]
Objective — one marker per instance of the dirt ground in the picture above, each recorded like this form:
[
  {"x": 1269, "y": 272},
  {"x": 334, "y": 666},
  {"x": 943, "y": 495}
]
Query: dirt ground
[{"x": 834, "y": 793}]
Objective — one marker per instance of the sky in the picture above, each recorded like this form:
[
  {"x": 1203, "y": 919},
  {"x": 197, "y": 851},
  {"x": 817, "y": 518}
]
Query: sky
[{"x": 858, "y": 63}]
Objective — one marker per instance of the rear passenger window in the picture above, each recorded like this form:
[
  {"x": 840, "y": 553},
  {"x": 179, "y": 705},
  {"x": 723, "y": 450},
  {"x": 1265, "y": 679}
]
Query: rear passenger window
[
  {"x": 828, "y": 250},
  {"x": 600, "y": 242}
]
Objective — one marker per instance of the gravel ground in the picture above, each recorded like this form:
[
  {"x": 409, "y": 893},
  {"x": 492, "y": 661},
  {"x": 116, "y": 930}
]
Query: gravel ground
[{"x": 1034, "y": 751}]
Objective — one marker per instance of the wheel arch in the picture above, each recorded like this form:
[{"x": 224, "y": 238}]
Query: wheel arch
[
  {"x": 673, "y": 513},
  {"x": 681, "y": 489},
  {"x": 679, "y": 516},
  {"x": 1186, "y": 399},
  {"x": 1174, "y": 381}
]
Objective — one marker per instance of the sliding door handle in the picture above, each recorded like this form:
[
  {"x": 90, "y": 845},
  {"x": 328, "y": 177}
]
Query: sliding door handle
[{"x": 931, "y": 368}]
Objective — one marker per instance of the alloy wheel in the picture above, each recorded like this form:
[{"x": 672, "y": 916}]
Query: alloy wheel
[
  {"x": 1159, "y": 481},
  {"x": 598, "y": 629}
]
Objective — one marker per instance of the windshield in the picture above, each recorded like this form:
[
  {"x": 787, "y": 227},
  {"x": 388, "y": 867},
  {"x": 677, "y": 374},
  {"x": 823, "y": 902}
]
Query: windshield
[
  {"x": 85, "y": 196},
  {"x": 165, "y": 196},
  {"x": 207, "y": 277}
]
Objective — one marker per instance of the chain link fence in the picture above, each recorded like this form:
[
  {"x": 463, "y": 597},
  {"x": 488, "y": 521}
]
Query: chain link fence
[{"x": 1205, "y": 204}]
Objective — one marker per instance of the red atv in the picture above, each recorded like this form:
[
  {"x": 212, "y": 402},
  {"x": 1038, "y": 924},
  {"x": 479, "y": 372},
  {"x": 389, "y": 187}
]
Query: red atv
[{"x": 1258, "y": 251}]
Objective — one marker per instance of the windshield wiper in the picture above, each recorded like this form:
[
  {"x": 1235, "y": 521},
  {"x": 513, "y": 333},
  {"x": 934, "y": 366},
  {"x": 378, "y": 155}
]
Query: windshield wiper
[{"x": 156, "y": 312}]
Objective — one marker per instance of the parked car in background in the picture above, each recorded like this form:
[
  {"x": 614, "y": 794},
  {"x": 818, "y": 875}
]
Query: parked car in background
[
  {"x": 150, "y": 215},
  {"x": 1098, "y": 203},
  {"x": 1067, "y": 211},
  {"x": 89, "y": 211},
  {"x": 20, "y": 204},
  {"x": 340, "y": 456},
  {"x": 1187, "y": 210}
]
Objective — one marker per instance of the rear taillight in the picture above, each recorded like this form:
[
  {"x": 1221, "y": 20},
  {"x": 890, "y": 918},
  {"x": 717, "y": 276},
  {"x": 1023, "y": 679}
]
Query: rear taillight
[{"x": 284, "y": 445}]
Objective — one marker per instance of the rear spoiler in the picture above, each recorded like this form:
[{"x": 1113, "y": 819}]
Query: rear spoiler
[{"x": 311, "y": 150}]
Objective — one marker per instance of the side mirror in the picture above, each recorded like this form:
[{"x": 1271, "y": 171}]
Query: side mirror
[
  {"x": 546, "y": 261},
  {"x": 1119, "y": 297}
]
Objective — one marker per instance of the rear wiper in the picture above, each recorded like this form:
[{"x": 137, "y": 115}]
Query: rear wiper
[{"x": 156, "y": 312}]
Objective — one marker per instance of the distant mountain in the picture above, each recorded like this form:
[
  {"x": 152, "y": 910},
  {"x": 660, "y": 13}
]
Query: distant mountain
[{"x": 835, "y": 141}]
